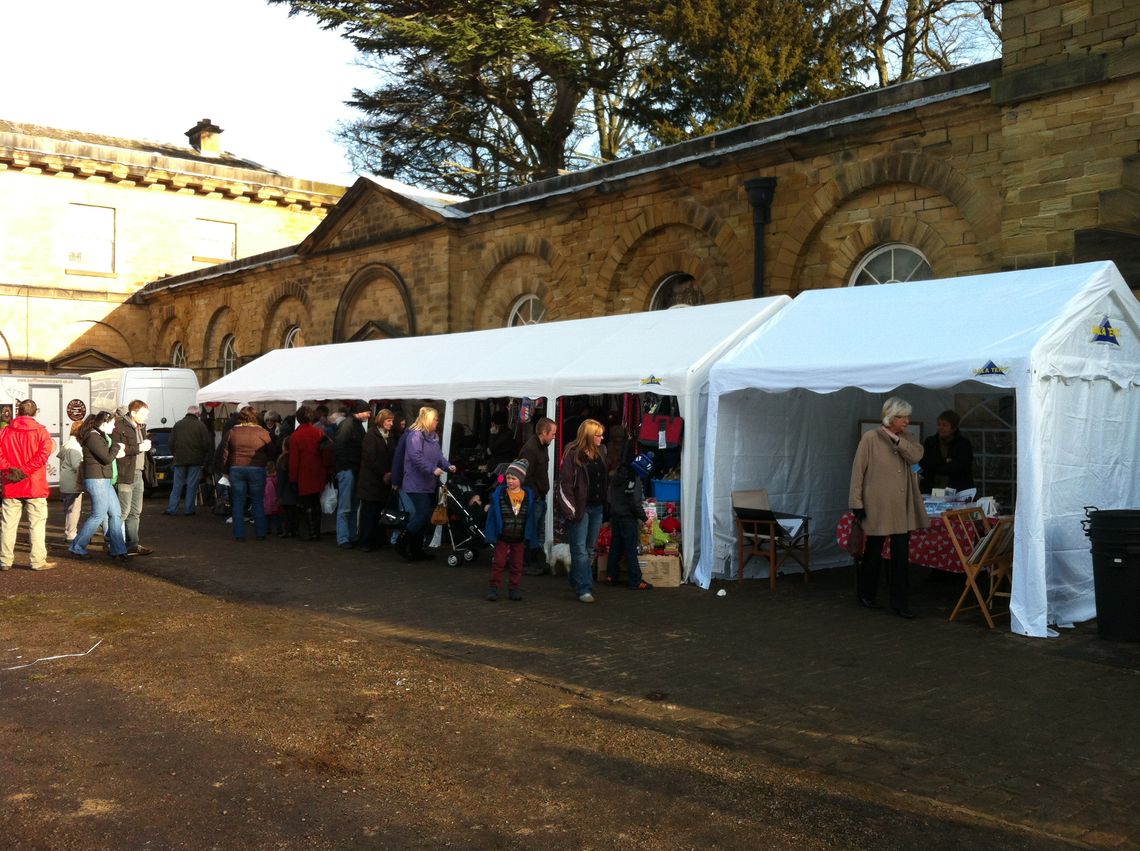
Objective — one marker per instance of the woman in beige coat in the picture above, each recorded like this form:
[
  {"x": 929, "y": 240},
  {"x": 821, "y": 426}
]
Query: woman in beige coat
[{"x": 886, "y": 500}]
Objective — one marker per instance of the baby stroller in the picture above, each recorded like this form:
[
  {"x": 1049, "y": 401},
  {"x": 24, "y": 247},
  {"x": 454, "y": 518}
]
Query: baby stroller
[{"x": 464, "y": 526}]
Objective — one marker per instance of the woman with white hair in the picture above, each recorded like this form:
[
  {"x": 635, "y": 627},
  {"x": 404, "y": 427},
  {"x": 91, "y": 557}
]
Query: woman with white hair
[{"x": 886, "y": 501}]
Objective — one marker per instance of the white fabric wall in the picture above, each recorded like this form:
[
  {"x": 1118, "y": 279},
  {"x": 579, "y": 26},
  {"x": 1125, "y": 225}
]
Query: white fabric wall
[
  {"x": 1099, "y": 469},
  {"x": 797, "y": 445}
]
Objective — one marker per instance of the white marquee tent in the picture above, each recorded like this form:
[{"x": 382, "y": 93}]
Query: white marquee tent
[
  {"x": 665, "y": 352},
  {"x": 784, "y": 406}
]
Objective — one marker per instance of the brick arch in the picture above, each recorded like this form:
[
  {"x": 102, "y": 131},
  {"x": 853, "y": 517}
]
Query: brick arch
[
  {"x": 100, "y": 325},
  {"x": 871, "y": 235},
  {"x": 290, "y": 289},
  {"x": 357, "y": 284},
  {"x": 491, "y": 302},
  {"x": 285, "y": 309},
  {"x": 656, "y": 271},
  {"x": 220, "y": 325},
  {"x": 980, "y": 211},
  {"x": 170, "y": 331},
  {"x": 654, "y": 220},
  {"x": 635, "y": 278}
]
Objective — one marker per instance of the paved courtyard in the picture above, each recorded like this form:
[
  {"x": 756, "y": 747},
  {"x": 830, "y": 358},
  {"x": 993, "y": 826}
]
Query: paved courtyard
[{"x": 1034, "y": 740}]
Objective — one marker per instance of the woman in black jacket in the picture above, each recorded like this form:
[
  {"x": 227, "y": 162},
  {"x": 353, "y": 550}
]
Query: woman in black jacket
[
  {"x": 947, "y": 457},
  {"x": 375, "y": 483},
  {"x": 99, "y": 473}
]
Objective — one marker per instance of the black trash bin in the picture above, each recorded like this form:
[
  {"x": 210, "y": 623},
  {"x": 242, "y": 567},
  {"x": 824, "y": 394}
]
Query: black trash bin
[{"x": 1115, "y": 536}]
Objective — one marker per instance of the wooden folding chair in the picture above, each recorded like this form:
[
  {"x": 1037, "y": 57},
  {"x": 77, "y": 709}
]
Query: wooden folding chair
[
  {"x": 986, "y": 545},
  {"x": 759, "y": 532}
]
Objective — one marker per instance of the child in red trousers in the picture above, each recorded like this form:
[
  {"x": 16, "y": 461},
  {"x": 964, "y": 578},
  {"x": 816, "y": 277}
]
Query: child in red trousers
[{"x": 511, "y": 528}]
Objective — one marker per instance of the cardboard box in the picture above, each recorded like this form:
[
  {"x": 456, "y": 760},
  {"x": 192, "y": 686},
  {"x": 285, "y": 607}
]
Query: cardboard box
[{"x": 661, "y": 571}]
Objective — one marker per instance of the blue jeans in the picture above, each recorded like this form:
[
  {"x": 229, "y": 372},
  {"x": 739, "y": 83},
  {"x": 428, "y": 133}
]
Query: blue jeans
[
  {"x": 422, "y": 506},
  {"x": 105, "y": 509},
  {"x": 583, "y": 536},
  {"x": 347, "y": 504},
  {"x": 184, "y": 476},
  {"x": 248, "y": 483},
  {"x": 540, "y": 518}
]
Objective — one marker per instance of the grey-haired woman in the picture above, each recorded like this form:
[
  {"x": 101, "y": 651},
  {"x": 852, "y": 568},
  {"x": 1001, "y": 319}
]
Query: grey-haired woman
[{"x": 887, "y": 502}]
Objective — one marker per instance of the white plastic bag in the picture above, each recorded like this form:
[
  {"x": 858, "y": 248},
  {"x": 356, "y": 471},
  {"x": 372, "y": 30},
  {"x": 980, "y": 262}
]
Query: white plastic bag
[{"x": 328, "y": 499}]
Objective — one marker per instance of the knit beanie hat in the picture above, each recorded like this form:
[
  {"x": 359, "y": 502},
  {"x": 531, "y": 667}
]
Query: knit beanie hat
[{"x": 518, "y": 468}]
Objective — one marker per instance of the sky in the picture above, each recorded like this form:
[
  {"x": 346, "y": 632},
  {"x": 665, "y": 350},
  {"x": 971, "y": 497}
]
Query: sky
[{"x": 150, "y": 69}]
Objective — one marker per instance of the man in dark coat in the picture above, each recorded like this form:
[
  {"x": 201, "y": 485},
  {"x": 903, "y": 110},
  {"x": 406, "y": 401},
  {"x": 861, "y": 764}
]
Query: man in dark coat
[
  {"x": 348, "y": 447},
  {"x": 130, "y": 433},
  {"x": 192, "y": 446},
  {"x": 536, "y": 452}
]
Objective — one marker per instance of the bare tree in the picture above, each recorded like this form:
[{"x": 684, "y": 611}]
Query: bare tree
[{"x": 909, "y": 39}]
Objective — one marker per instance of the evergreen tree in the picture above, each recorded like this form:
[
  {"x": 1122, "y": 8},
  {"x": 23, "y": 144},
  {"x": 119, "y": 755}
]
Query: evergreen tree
[
  {"x": 479, "y": 96},
  {"x": 723, "y": 63}
]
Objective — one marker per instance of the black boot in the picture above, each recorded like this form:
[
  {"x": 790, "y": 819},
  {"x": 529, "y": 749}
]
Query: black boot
[
  {"x": 402, "y": 547},
  {"x": 416, "y": 548}
]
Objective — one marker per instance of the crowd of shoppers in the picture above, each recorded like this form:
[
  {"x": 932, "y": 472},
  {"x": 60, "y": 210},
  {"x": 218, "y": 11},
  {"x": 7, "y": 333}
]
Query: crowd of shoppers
[{"x": 367, "y": 470}]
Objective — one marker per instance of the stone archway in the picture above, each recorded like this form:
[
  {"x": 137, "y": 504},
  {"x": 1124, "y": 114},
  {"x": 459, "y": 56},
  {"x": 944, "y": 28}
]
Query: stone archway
[
  {"x": 661, "y": 241},
  {"x": 646, "y": 264},
  {"x": 929, "y": 242},
  {"x": 522, "y": 265},
  {"x": 907, "y": 168},
  {"x": 100, "y": 336},
  {"x": 289, "y": 307},
  {"x": 170, "y": 331},
  {"x": 375, "y": 296},
  {"x": 221, "y": 325}
]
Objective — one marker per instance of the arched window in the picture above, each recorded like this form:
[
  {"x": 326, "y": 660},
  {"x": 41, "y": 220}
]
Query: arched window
[
  {"x": 293, "y": 339},
  {"x": 527, "y": 310},
  {"x": 229, "y": 355},
  {"x": 178, "y": 356},
  {"x": 893, "y": 263},
  {"x": 677, "y": 290}
]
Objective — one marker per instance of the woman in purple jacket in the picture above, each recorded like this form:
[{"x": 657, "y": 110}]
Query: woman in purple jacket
[{"x": 424, "y": 463}]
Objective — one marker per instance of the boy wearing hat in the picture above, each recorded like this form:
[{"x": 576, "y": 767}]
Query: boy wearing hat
[
  {"x": 626, "y": 513},
  {"x": 510, "y": 528}
]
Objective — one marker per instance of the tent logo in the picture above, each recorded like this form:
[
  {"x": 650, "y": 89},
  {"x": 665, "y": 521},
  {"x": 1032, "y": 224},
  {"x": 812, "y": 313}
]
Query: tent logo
[
  {"x": 991, "y": 368},
  {"x": 1105, "y": 333},
  {"x": 652, "y": 379}
]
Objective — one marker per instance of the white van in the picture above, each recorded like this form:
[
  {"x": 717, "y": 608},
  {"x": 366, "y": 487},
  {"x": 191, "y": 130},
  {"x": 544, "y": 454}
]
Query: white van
[{"x": 167, "y": 391}]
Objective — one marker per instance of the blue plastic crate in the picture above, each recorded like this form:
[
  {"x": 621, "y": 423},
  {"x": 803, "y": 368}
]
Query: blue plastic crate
[{"x": 667, "y": 490}]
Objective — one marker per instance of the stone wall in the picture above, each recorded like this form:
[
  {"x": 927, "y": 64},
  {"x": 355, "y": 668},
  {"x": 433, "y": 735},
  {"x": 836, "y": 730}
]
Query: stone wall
[{"x": 1053, "y": 32}]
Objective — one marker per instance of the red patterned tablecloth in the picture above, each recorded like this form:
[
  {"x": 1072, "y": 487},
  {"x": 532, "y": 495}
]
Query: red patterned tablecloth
[{"x": 930, "y": 547}]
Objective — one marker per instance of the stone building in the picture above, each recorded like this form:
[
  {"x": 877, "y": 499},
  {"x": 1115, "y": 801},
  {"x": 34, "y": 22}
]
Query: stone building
[
  {"x": 87, "y": 220},
  {"x": 1027, "y": 161}
]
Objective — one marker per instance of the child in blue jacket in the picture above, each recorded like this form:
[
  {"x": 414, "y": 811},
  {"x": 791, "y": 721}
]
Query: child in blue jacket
[{"x": 511, "y": 528}]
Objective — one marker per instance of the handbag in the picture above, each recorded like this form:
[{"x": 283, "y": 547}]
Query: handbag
[
  {"x": 328, "y": 499},
  {"x": 857, "y": 541},
  {"x": 661, "y": 431},
  {"x": 391, "y": 515},
  {"x": 439, "y": 514}
]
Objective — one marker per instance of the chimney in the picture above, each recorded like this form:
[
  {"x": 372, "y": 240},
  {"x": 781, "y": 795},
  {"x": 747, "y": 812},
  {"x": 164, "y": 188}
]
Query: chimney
[{"x": 204, "y": 138}]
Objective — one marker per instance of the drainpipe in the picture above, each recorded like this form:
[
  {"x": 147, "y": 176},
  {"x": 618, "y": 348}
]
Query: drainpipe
[{"x": 760, "y": 191}]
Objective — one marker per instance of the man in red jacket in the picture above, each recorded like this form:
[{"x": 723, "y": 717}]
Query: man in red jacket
[{"x": 25, "y": 447}]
